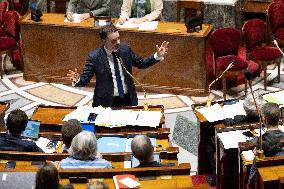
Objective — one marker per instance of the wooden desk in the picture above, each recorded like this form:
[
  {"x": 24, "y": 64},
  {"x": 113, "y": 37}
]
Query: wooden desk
[
  {"x": 52, "y": 47},
  {"x": 255, "y": 6},
  {"x": 51, "y": 119},
  {"x": 269, "y": 177},
  {"x": 177, "y": 176}
]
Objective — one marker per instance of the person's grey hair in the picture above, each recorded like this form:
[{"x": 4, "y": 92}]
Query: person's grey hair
[
  {"x": 271, "y": 113},
  {"x": 84, "y": 146},
  {"x": 97, "y": 185},
  {"x": 249, "y": 105},
  {"x": 141, "y": 147}
]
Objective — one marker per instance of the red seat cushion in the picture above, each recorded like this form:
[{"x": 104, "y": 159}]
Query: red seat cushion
[
  {"x": 266, "y": 53},
  {"x": 279, "y": 33},
  {"x": 224, "y": 61},
  {"x": 7, "y": 43}
]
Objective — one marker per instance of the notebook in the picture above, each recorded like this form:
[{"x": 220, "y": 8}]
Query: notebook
[{"x": 32, "y": 130}]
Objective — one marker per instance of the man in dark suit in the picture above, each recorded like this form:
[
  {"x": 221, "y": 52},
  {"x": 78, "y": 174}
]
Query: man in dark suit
[
  {"x": 88, "y": 8},
  {"x": 11, "y": 141},
  {"x": 110, "y": 63}
]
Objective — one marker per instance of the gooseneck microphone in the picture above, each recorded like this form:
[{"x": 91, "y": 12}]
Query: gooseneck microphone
[
  {"x": 273, "y": 39},
  {"x": 209, "y": 87},
  {"x": 146, "y": 107},
  {"x": 260, "y": 152}
]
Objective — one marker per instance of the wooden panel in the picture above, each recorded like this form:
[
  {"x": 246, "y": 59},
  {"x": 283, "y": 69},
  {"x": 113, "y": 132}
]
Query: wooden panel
[{"x": 52, "y": 47}]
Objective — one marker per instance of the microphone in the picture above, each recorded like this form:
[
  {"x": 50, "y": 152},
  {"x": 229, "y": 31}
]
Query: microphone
[
  {"x": 146, "y": 106},
  {"x": 260, "y": 152},
  {"x": 233, "y": 62},
  {"x": 273, "y": 39}
]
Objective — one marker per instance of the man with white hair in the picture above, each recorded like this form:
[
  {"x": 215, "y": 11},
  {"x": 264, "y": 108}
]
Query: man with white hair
[
  {"x": 143, "y": 150},
  {"x": 83, "y": 153},
  {"x": 250, "y": 109}
]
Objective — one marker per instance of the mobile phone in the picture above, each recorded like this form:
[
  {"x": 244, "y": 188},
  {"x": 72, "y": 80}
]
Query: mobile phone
[{"x": 10, "y": 165}]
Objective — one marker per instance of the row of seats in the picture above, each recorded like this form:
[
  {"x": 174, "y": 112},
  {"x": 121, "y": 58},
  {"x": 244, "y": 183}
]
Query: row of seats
[{"x": 257, "y": 37}]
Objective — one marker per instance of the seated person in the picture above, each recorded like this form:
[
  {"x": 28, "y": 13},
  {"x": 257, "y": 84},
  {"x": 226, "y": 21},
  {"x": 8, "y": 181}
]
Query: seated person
[
  {"x": 87, "y": 8},
  {"x": 47, "y": 177},
  {"x": 12, "y": 141},
  {"x": 97, "y": 185},
  {"x": 69, "y": 130},
  {"x": 272, "y": 139},
  {"x": 250, "y": 109},
  {"x": 83, "y": 153},
  {"x": 143, "y": 10},
  {"x": 143, "y": 150}
]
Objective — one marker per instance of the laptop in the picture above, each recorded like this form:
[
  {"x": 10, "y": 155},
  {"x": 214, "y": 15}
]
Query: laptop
[
  {"x": 17, "y": 180},
  {"x": 32, "y": 130},
  {"x": 88, "y": 127}
]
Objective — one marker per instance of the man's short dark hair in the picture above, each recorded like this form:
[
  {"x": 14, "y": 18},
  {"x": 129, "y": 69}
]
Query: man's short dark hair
[
  {"x": 69, "y": 130},
  {"x": 107, "y": 30},
  {"x": 16, "y": 121},
  {"x": 141, "y": 147},
  {"x": 271, "y": 113}
]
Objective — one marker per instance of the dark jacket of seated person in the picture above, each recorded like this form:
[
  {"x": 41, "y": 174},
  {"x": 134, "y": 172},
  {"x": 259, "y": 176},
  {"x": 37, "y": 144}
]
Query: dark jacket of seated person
[
  {"x": 83, "y": 153},
  {"x": 12, "y": 141},
  {"x": 143, "y": 150},
  {"x": 272, "y": 139}
]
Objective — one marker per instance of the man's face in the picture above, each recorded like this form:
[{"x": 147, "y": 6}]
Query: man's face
[{"x": 112, "y": 41}]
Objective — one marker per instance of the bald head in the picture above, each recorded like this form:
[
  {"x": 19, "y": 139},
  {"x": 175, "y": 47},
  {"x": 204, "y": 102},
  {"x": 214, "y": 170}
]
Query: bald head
[{"x": 142, "y": 148}]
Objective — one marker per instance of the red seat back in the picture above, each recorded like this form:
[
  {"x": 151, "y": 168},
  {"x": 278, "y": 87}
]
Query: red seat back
[
  {"x": 254, "y": 32},
  {"x": 11, "y": 24},
  {"x": 276, "y": 15},
  {"x": 225, "y": 41}
]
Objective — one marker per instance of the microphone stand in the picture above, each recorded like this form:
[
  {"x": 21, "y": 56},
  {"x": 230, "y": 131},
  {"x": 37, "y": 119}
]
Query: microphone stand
[
  {"x": 276, "y": 44},
  {"x": 146, "y": 106},
  {"x": 259, "y": 152},
  {"x": 208, "y": 103}
]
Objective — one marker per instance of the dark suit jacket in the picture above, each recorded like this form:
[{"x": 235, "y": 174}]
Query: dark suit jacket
[
  {"x": 97, "y": 63},
  {"x": 13, "y": 143},
  {"x": 97, "y": 7}
]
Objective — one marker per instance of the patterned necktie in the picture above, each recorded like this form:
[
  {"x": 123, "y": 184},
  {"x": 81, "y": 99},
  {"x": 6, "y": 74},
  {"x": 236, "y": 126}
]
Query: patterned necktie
[
  {"x": 140, "y": 8},
  {"x": 117, "y": 75}
]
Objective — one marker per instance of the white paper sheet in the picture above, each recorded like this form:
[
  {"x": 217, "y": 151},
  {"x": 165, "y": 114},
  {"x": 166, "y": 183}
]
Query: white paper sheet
[
  {"x": 76, "y": 18},
  {"x": 231, "y": 139},
  {"x": 248, "y": 155}
]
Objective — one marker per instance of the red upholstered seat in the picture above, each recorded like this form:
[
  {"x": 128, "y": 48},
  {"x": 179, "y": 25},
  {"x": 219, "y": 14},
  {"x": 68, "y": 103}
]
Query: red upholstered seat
[
  {"x": 275, "y": 15},
  {"x": 254, "y": 32},
  {"x": 265, "y": 53},
  {"x": 224, "y": 61},
  {"x": 3, "y": 9},
  {"x": 225, "y": 43},
  {"x": 7, "y": 43},
  {"x": 10, "y": 40},
  {"x": 279, "y": 33}
]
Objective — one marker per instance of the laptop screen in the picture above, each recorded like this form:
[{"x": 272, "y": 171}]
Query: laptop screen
[
  {"x": 88, "y": 127},
  {"x": 32, "y": 129}
]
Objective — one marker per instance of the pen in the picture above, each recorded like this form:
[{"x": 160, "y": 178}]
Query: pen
[{"x": 137, "y": 116}]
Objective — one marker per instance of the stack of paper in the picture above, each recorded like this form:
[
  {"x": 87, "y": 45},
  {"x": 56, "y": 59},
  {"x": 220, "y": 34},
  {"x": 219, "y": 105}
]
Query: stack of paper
[
  {"x": 276, "y": 97},
  {"x": 231, "y": 139},
  {"x": 217, "y": 112},
  {"x": 152, "y": 25}
]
